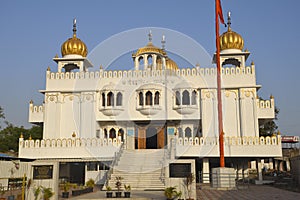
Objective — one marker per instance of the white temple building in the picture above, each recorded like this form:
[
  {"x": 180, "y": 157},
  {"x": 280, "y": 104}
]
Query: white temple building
[{"x": 148, "y": 122}]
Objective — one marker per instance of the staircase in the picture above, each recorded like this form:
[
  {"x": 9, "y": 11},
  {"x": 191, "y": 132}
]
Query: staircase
[{"x": 141, "y": 169}]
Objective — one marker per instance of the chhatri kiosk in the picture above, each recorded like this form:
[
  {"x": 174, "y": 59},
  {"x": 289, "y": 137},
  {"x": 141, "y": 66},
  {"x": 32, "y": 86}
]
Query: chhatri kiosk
[{"x": 150, "y": 124}]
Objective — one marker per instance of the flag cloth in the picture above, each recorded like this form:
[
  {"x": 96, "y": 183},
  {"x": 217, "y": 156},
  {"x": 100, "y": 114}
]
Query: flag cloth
[{"x": 219, "y": 11}]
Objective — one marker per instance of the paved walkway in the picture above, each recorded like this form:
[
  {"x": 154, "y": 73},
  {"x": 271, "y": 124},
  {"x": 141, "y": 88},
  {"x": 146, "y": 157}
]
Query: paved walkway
[{"x": 253, "y": 192}]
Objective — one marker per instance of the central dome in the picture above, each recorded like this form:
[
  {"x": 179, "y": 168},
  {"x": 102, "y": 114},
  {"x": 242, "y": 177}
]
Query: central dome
[{"x": 150, "y": 48}]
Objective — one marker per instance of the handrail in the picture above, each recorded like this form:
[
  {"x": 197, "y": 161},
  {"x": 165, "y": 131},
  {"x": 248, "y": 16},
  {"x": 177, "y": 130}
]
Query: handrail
[{"x": 114, "y": 163}]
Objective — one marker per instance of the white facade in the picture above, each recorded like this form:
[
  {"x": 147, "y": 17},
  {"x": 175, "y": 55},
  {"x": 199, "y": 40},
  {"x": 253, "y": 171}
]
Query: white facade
[{"x": 90, "y": 115}]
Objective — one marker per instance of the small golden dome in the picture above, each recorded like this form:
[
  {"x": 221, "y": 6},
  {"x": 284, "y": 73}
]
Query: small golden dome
[
  {"x": 170, "y": 64},
  {"x": 74, "y": 45},
  {"x": 231, "y": 40}
]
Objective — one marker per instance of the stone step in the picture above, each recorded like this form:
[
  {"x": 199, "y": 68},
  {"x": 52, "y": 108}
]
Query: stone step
[{"x": 139, "y": 168}]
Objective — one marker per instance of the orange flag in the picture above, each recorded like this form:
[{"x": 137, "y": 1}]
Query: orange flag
[{"x": 219, "y": 11}]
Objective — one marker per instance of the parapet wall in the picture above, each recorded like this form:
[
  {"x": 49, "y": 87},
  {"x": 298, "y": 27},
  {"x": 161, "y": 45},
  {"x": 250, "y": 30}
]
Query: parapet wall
[
  {"x": 233, "y": 71},
  {"x": 69, "y": 148},
  {"x": 233, "y": 147}
]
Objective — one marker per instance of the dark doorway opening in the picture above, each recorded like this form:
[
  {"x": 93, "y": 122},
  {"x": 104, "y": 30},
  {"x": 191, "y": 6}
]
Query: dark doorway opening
[
  {"x": 151, "y": 138},
  {"x": 77, "y": 173}
]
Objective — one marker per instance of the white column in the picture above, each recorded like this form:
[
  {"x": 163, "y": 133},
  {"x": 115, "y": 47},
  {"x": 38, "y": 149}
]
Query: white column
[
  {"x": 276, "y": 164},
  {"x": 136, "y": 63},
  {"x": 145, "y": 62},
  {"x": 154, "y": 61},
  {"x": 163, "y": 63},
  {"x": 205, "y": 170},
  {"x": 270, "y": 163},
  {"x": 259, "y": 169},
  {"x": 288, "y": 166}
]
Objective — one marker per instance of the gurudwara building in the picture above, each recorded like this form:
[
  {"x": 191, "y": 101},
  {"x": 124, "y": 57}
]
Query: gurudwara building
[{"x": 150, "y": 124}]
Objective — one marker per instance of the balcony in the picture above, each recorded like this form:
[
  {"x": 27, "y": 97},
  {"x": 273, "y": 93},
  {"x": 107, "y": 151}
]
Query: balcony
[
  {"x": 36, "y": 113},
  {"x": 265, "y": 109}
]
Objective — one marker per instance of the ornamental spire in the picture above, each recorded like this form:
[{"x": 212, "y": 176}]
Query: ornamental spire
[
  {"x": 163, "y": 42},
  {"x": 74, "y": 27},
  {"x": 150, "y": 36},
  {"x": 229, "y": 20}
]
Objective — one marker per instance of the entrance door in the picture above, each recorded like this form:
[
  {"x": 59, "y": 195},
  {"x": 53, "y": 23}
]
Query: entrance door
[
  {"x": 161, "y": 138},
  {"x": 142, "y": 138}
]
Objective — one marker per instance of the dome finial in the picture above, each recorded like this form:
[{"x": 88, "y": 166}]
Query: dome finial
[
  {"x": 163, "y": 42},
  {"x": 150, "y": 36},
  {"x": 229, "y": 20},
  {"x": 74, "y": 27}
]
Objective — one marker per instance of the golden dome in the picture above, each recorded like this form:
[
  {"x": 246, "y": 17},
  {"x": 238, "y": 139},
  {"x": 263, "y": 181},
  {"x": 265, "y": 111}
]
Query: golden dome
[
  {"x": 231, "y": 40},
  {"x": 74, "y": 45},
  {"x": 150, "y": 48},
  {"x": 170, "y": 64}
]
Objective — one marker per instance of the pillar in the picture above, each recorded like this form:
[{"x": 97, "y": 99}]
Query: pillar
[
  {"x": 205, "y": 170},
  {"x": 288, "y": 165},
  {"x": 276, "y": 164},
  {"x": 271, "y": 163},
  {"x": 154, "y": 58},
  {"x": 136, "y": 63},
  {"x": 145, "y": 62},
  {"x": 259, "y": 169}
]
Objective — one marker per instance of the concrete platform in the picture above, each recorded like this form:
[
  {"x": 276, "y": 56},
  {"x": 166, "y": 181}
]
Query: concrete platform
[{"x": 253, "y": 192}]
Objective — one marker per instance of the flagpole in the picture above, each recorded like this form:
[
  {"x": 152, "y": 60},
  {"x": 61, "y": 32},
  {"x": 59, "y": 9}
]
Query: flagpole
[{"x": 219, "y": 94}]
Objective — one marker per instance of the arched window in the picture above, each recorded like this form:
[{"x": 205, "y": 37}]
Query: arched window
[
  {"x": 112, "y": 133},
  {"x": 180, "y": 132},
  {"x": 149, "y": 98},
  {"x": 149, "y": 59},
  {"x": 119, "y": 99},
  {"x": 121, "y": 134},
  {"x": 156, "y": 98},
  {"x": 185, "y": 98},
  {"x": 194, "y": 97},
  {"x": 141, "y": 61},
  {"x": 105, "y": 133},
  {"x": 141, "y": 99},
  {"x": 178, "y": 98},
  {"x": 110, "y": 99},
  {"x": 188, "y": 132},
  {"x": 103, "y": 99}
]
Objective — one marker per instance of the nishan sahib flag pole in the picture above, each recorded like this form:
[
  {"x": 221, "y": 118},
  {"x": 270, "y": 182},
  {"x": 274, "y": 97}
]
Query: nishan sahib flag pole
[{"x": 219, "y": 16}]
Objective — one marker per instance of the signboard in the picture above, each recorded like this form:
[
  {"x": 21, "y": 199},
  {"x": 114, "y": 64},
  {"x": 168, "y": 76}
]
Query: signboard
[
  {"x": 289, "y": 139},
  {"x": 179, "y": 170},
  {"x": 42, "y": 172}
]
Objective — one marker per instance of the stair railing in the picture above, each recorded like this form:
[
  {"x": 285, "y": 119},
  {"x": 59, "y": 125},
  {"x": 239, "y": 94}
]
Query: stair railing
[{"x": 114, "y": 163}]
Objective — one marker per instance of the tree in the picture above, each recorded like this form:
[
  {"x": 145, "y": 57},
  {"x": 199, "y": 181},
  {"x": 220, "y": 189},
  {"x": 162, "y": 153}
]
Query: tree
[
  {"x": 269, "y": 128},
  {"x": 2, "y": 116},
  {"x": 9, "y": 136}
]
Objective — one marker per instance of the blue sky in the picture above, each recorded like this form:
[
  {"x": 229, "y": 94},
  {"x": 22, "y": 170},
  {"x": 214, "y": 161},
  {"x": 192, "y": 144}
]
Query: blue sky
[{"x": 33, "y": 31}]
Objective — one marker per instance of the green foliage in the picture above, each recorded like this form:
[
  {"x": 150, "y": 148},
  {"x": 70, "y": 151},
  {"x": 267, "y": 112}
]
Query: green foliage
[
  {"x": 127, "y": 187},
  {"x": 269, "y": 127},
  {"x": 36, "y": 192},
  {"x": 9, "y": 136},
  {"x": 119, "y": 183},
  {"x": 2, "y": 116},
  {"x": 170, "y": 192},
  {"x": 47, "y": 193},
  {"x": 108, "y": 188},
  {"x": 90, "y": 183}
]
